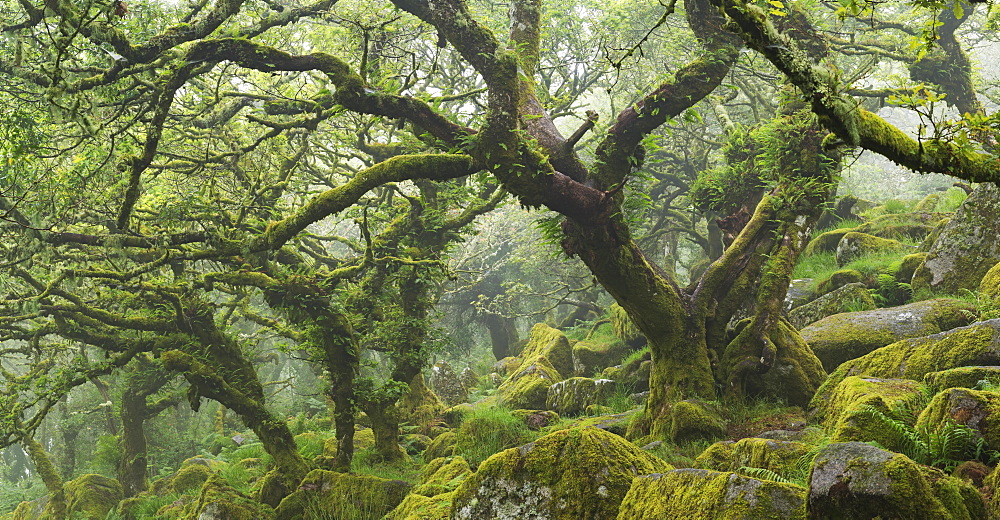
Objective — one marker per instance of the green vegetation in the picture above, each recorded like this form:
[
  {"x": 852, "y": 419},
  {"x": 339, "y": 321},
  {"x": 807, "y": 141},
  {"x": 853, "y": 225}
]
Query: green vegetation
[{"x": 487, "y": 431}]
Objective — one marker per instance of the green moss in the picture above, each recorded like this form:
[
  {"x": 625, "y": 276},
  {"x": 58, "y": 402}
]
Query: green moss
[
  {"x": 990, "y": 284},
  {"x": 190, "y": 476},
  {"x": 699, "y": 493},
  {"x": 848, "y": 298},
  {"x": 795, "y": 374},
  {"x": 92, "y": 496},
  {"x": 961, "y": 377},
  {"x": 442, "y": 475},
  {"x": 342, "y": 495},
  {"x": 977, "y": 409},
  {"x": 855, "y": 245},
  {"x": 590, "y": 356},
  {"x": 908, "y": 265},
  {"x": 218, "y": 500},
  {"x": 838, "y": 279},
  {"x": 836, "y": 409},
  {"x": 976, "y": 344},
  {"x": 442, "y": 446},
  {"x": 622, "y": 324},
  {"x": 550, "y": 343},
  {"x": 568, "y": 474},
  {"x": 488, "y": 431},
  {"x": 774, "y": 455},
  {"x": 424, "y": 508},
  {"x": 572, "y": 396},
  {"x": 826, "y": 242},
  {"x": 692, "y": 420},
  {"x": 528, "y": 387}
]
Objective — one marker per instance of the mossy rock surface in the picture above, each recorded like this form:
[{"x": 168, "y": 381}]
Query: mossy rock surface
[
  {"x": 442, "y": 475},
  {"x": 92, "y": 496},
  {"x": 855, "y": 245},
  {"x": 572, "y": 396},
  {"x": 795, "y": 374},
  {"x": 800, "y": 292},
  {"x": 775, "y": 455},
  {"x": 973, "y": 345},
  {"x": 616, "y": 423},
  {"x": 826, "y": 242},
  {"x": 836, "y": 410},
  {"x": 218, "y": 501},
  {"x": 915, "y": 225},
  {"x": 569, "y": 474},
  {"x": 506, "y": 366},
  {"x": 442, "y": 446},
  {"x": 855, "y": 480},
  {"x": 967, "y": 247},
  {"x": 419, "y": 507},
  {"x": 961, "y": 377},
  {"x": 590, "y": 356},
  {"x": 342, "y": 495},
  {"x": 990, "y": 284},
  {"x": 551, "y": 344},
  {"x": 536, "y": 419},
  {"x": 908, "y": 265},
  {"x": 699, "y": 493},
  {"x": 190, "y": 476},
  {"x": 846, "y": 336},
  {"x": 850, "y": 297},
  {"x": 692, "y": 420},
  {"x": 529, "y": 386},
  {"x": 977, "y": 409},
  {"x": 838, "y": 279}
]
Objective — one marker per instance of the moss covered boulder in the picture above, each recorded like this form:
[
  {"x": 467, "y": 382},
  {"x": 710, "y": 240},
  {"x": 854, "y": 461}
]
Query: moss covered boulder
[
  {"x": 855, "y": 480},
  {"x": 551, "y": 344},
  {"x": 974, "y": 345},
  {"x": 342, "y": 495},
  {"x": 572, "y": 396},
  {"x": 826, "y": 242},
  {"x": 568, "y": 474},
  {"x": 908, "y": 265},
  {"x": 842, "y": 337},
  {"x": 961, "y": 377},
  {"x": 699, "y": 493},
  {"x": 855, "y": 245},
  {"x": 977, "y": 409},
  {"x": 536, "y": 419},
  {"x": 795, "y": 374},
  {"x": 850, "y": 297},
  {"x": 431, "y": 499},
  {"x": 967, "y": 247},
  {"x": 774, "y": 455},
  {"x": 913, "y": 225},
  {"x": 441, "y": 446},
  {"x": 838, "y": 410},
  {"x": 219, "y": 501},
  {"x": 692, "y": 420},
  {"x": 591, "y": 356},
  {"x": 528, "y": 387},
  {"x": 990, "y": 284},
  {"x": 838, "y": 279},
  {"x": 92, "y": 496}
]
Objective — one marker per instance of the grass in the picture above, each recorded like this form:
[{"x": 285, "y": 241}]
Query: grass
[
  {"x": 620, "y": 400},
  {"x": 950, "y": 200},
  {"x": 634, "y": 356},
  {"x": 680, "y": 455},
  {"x": 817, "y": 267},
  {"x": 369, "y": 462},
  {"x": 488, "y": 431}
]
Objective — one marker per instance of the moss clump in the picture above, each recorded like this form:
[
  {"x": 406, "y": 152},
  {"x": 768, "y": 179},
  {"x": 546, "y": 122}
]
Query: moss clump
[
  {"x": 774, "y": 455},
  {"x": 421, "y": 507},
  {"x": 848, "y": 298},
  {"x": 590, "y": 356},
  {"x": 961, "y": 377},
  {"x": 190, "y": 476},
  {"x": 974, "y": 345},
  {"x": 568, "y": 474},
  {"x": 990, "y": 284},
  {"x": 442, "y": 446},
  {"x": 826, "y": 242},
  {"x": 92, "y": 496},
  {"x": 622, "y": 324},
  {"x": 854, "y": 245},
  {"x": 857, "y": 480},
  {"x": 442, "y": 475},
  {"x": 218, "y": 500},
  {"x": 836, "y": 409},
  {"x": 342, "y": 495},
  {"x": 979, "y": 410},
  {"x": 700, "y": 493},
  {"x": 551, "y": 344},
  {"x": 908, "y": 265},
  {"x": 912, "y": 225},
  {"x": 692, "y": 420},
  {"x": 572, "y": 396},
  {"x": 842, "y": 337},
  {"x": 838, "y": 279},
  {"x": 795, "y": 374},
  {"x": 529, "y": 386}
]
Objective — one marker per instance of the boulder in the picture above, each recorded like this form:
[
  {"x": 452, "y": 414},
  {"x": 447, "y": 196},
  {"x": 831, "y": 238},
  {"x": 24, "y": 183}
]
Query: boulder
[
  {"x": 572, "y": 396},
  {"x": 795, "y": 374},
  {"x": 842, "y": 337},
  {"x": 858, "y": 481},
  {"x": 961, "y": 377},
  {"x": 850, "y": 297},
  {"x": 551, "y": 344},
  {"x": 92, "y": 496},
  {"x": 838, "y": 279},
  {"x": 913, "y": 225},
  {"x": 990, "y": 284},
  {"x": 799, "y": 293},
  {"x": 536, "y": 419},
  {"x": 616, "y": 423},
  {"x": 528, "y": 387},
  {"x": 431, "y": 499},
  {"x": 973, "y": 345},
  {"x": 967, "y": 247},
  {"x": 700, "y": 493},
  {"x": 838, "y": 409},
  {"x": 590, "y": 356},
  {"x": 447, "y": 385},
  {"x": 219, "y": 501},
  {"x": 342, "y": 495},
  {"x": 826, "y": 242},
  {"x": 774, "y": 455},
  {"x": 977, "y": 409},
  {"x": 908, "y": 265},
  {"x": 469, "y": 378},
  {"x": 692, "y": 420},
  {"x": 568, "y": 474},
  {"x": 855, "y": 245},
  {"x": 442, "y": 446}
]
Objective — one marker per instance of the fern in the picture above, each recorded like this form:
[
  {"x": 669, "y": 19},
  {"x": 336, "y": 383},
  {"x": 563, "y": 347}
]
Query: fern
[{"x": 763, "y": 474}]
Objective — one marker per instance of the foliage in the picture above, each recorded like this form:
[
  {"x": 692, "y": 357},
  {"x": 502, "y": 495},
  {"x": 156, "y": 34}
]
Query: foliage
[{"x": 487, "y": 431}]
